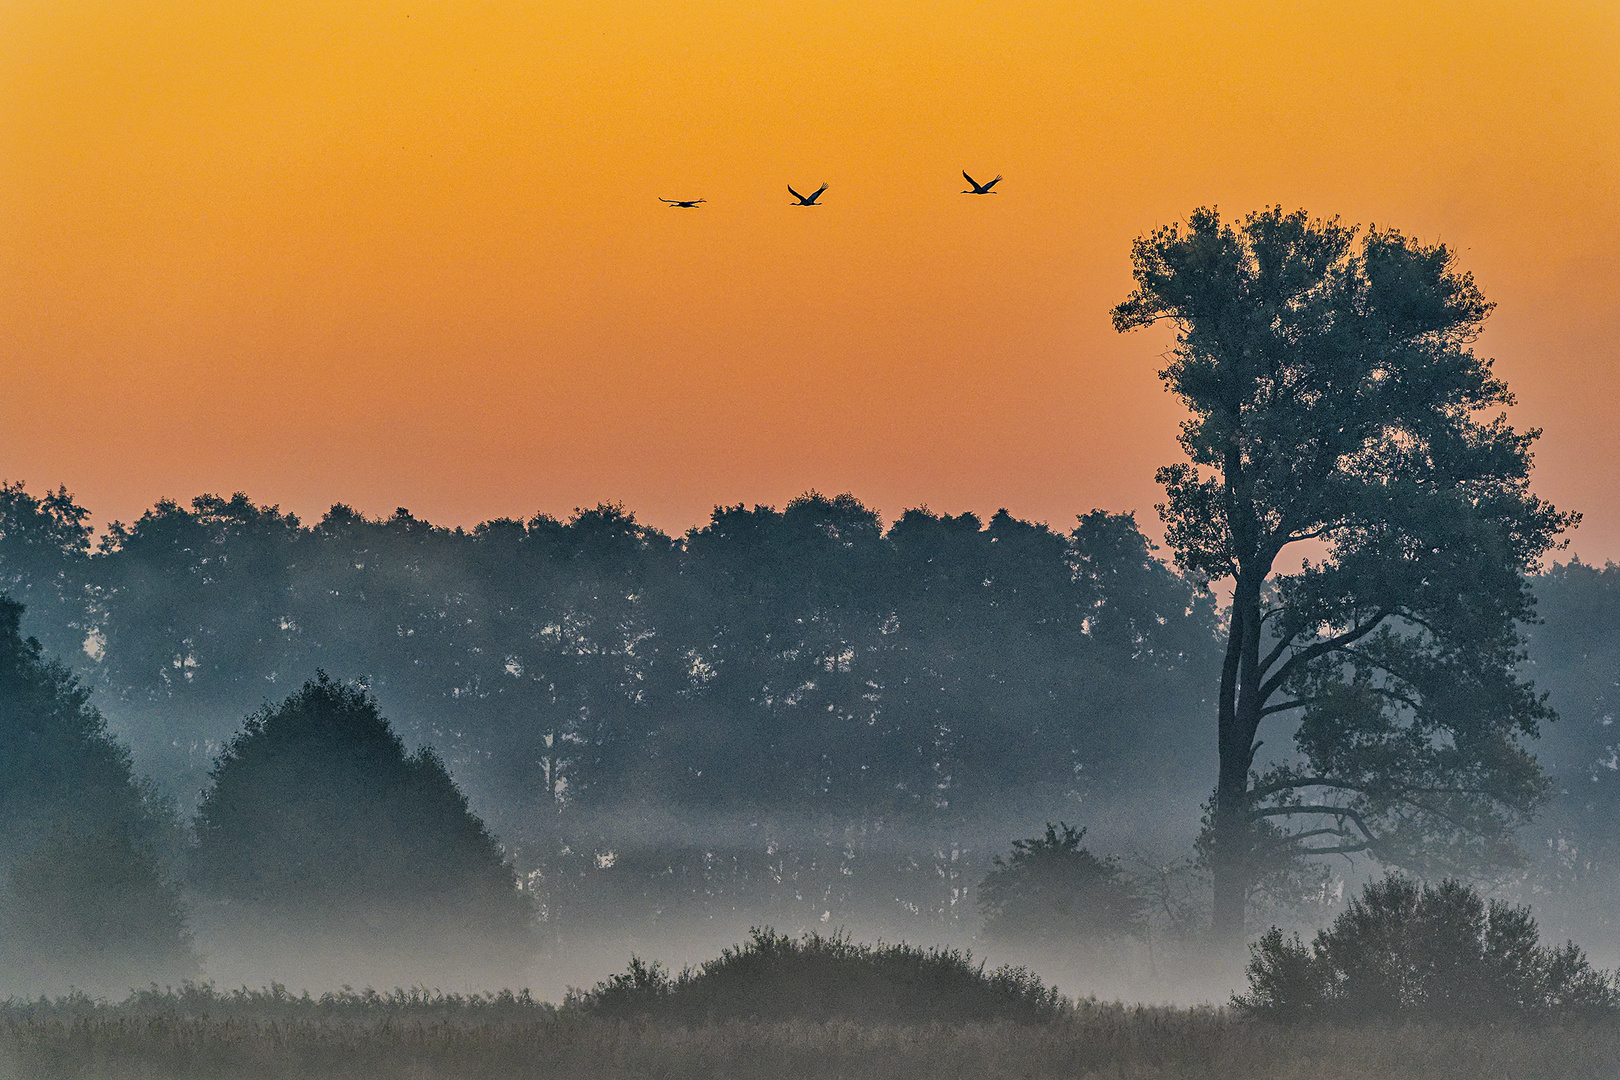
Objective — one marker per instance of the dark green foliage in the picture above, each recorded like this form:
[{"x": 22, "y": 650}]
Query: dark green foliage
[
  {"x": 798, "y": 659},
  {"x": 82, "y": 897},
  {"x": 317, "y": 811},
  {"x": 800, "y": 665},
  {"x": 87, "y": 907},
  {"x": 1334, "y": 398},
  {"x": 1055, "y": 893},
  {"x": 44, "y": 556},
  {"x": 815, "y": 978},
  {"x": 1401, "y": 951}
]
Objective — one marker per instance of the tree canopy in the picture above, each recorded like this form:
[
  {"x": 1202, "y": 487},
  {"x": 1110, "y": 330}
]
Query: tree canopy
[
  {"x": 316, "y": 810},
  {"x": 1334, "y": 399},
  {"x": 1053, "y": 892},
  {"x": 1402, "y": 951},
  {"x": 83, "y": 897},
  {"x": 770, "y": 706}
]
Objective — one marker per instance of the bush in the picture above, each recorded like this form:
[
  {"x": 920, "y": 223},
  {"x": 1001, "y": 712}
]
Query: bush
[
  {"x": 1414, "y": 952},
  {"x": 1055, "y": 893},
  {"x": 775, "y": 977}
]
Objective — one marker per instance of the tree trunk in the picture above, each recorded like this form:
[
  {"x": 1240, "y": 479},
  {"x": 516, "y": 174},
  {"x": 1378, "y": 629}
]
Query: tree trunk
[
  {"x": 1229, "y": 868},
  {"x": 1230, "y": 840}
]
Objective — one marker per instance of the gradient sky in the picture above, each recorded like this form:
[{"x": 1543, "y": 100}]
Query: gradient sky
[{"x": 411, "y": 253}]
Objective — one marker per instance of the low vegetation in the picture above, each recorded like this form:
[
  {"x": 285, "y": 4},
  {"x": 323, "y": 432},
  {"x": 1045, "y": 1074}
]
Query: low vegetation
[
  {"x": 200, "y": 1034},
  {"x": 824, "y": 1007},
  {"x": 774, "y": 977},
  {"x": 1405, "y": 951}
]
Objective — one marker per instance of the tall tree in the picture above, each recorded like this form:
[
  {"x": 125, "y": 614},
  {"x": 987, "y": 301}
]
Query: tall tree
[
  {"x": 44, "y": 548},
  {"x": 1335, "y": 398},
  {"x": 317, "y": 812},
  {"x": 83, "y": 900}
]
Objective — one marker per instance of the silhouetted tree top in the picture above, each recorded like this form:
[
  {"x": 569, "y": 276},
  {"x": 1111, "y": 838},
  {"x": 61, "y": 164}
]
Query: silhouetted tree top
[
  {"x": 1054, "y": 892},
  {"x": 316, "y": 806},
  {"x": 1334, "y": 398},
  {"x": 56, "y": 758},
  {"x": 82, "y": 898},
  {"x": 44, "y": 546}
]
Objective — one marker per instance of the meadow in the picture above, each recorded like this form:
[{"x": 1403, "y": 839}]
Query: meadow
[{"x": 276, "y": 1036}]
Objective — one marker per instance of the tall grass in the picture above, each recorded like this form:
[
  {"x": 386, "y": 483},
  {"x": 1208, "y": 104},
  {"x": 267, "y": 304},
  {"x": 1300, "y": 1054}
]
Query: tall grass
[{"x": 198, "y": 1034}]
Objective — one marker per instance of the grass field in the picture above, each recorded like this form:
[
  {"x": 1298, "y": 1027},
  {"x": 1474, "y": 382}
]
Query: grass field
[{"x": 428, "y": 1038}]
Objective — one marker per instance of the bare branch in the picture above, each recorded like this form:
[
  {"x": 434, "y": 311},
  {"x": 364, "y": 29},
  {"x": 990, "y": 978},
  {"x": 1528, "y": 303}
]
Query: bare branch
[
  {"x": 1326, "y": 811},
  {"x": 1343, "y": 849},
  {"x": 1303, "y": 782},
  {"x": 1311, "y": 652},
  {"x": 1290, "y": 838}
]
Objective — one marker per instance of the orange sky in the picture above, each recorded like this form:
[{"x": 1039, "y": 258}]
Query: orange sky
[{"x": 410, "y": 253}]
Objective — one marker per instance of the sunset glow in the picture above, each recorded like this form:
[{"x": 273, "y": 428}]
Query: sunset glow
[{"x": 401, "y": 253}]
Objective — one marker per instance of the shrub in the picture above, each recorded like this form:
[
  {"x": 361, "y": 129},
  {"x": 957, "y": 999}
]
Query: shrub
[
  {"x": 775, "y": 977},
  {"x": 1406, "y": 951},
  {"x": 1053, "y": 892}
]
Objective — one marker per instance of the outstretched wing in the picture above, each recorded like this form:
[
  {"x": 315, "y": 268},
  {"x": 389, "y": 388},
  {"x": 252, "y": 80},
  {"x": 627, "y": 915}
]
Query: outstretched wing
[
  {"x": 819, "y": 190},
  {"x": 671, "y": 202},
  {"x": 972, "y": 181},
  {"x": 993, "y": 183},
  {"x": 796, "y": 195}
]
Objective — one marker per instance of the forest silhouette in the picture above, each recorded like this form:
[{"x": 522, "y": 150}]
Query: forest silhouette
[{"x": 790, "y": 711}]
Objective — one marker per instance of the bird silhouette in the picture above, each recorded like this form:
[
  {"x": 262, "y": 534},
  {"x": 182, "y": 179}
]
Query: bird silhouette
[
  {"x": 690, "y": 204},
  {"x": 978, "y": 188},
  {"x": 806, "y": 200}
]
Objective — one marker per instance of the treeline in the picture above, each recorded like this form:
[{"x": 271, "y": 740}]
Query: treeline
[
  {"x": 799, "y": 707},
  {"x": 793, "y": 708},
  {"x": 804, "y": 660}
]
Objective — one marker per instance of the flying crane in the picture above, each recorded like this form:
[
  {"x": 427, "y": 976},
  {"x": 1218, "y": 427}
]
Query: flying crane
[{"x": 978, "y": 188}]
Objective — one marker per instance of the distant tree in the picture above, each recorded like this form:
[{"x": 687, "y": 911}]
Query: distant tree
[
  {"x": 1401, "y": 951},
  {"x": 83, "y": 899},
  {"x": 1053, "y": 892},
  {"x": 1138, "y": 608},
  {"x": 315, "y": 810},
  {"x": 1335, "y": 399},
  {"x": 44, "y": 552},
  {"x": 1574, "y": 655}
]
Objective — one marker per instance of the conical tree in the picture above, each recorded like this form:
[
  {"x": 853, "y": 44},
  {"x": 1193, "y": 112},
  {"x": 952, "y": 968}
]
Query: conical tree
[
  {"x": 316, "y": 812},
  {"x": 83, "y": 901}
]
